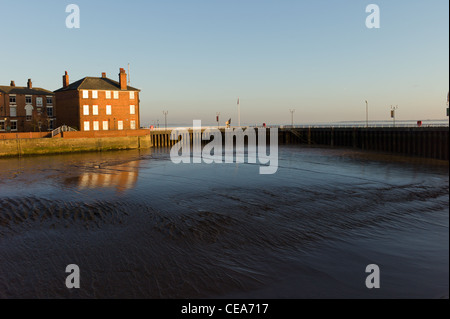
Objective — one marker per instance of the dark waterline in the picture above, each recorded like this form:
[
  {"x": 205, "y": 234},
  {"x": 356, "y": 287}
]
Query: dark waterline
[{"x": 139, "y": 226}]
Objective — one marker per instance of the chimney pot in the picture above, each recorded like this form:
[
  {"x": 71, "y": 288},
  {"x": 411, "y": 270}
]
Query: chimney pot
[
  {"x": 29, "y": 84},
  {"x": 13, "y": 83},
  {"x": 104, "y": 75}
]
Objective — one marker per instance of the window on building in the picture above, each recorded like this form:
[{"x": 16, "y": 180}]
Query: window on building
[
  {"x": 116, "y": 95},
  {"x": 94, "y": 109},
  {"x": 13, "y": 125},
  {"x": 96, "y": 126},
  {"x": 86, "y": 126},
  {"x": 12, "y": 99},
  {"x": 85, "y": 109},
  {"x": 108, "y": 110},
  {"x": 28, "y": 99},
  {"x": 38, "y": 101},
  {"x": 85, "y": 94},
  {"x": 50, "y": 111},
  {"x": 51, "y": 125},
  {"x": 2, "y": 125},
  {"x": 95, "y": 94},
  {"x": 13, "y": 111},
  {"x": 131, "y": 95},
  {"x": 105, "y": 125},
  {"x": 108, "y": 94},
  {"x": 120, "y": 125},
  {"x": 132, "y": 109},
  {"x": 49, "y": 100},
  {"x": 29, "y": 112},
  {"x": 133, "y": 125}
]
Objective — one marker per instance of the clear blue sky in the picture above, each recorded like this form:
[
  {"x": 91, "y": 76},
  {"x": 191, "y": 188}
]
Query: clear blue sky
[{"x": 195, "y": 58}]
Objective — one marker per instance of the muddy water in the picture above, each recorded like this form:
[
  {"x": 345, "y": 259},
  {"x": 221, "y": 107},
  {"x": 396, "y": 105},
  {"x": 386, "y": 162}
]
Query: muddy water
[{"x": 139, "y": 226}]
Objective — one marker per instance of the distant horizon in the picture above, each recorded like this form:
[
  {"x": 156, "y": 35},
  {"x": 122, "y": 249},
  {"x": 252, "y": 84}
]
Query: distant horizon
[{"x": 186, "y": 124}]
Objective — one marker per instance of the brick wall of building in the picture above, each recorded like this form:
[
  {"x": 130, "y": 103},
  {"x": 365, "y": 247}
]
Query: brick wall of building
[
  {"x": 72, "y": 113},
  {"x": 39, "y": 120},
  {"x": 69, "y": 110}
]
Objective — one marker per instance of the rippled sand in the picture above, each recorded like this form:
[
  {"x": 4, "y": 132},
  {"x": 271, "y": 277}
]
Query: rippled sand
[{"x": 139, "y": 226}]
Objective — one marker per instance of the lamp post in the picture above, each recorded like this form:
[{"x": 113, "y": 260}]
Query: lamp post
[
  {"x": 393, "y": 109},
  {"x": 367, "y": 114},
  {"x": 239, "y": 112},
  {"x": 292, "y": 117},
  {"x": 165, "y": 119}
]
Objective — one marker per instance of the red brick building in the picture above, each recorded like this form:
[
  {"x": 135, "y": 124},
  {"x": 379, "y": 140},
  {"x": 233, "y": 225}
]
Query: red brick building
[
  {"x": 26, "y": 109},
  {"x": 98, "y": 104}
]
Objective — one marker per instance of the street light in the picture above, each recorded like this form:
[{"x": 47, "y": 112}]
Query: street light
[
  {"x": 367, "y": 114},
  {"x": 292, "y": 117},
  {"x": 165, "y": 119},
  {"x": 239, "y": 112},
  {"x": 393, "y": 109}
]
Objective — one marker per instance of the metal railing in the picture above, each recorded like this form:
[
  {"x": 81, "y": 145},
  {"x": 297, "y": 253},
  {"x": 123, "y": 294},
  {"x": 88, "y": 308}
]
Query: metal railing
[{"x": 64, "y": 128}]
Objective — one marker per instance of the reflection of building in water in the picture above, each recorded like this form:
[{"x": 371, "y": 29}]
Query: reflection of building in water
[{"x": 121, "y": 177}]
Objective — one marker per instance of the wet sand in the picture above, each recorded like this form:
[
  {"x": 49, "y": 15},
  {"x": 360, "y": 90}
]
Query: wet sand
[{"x": 139, "y": 226}]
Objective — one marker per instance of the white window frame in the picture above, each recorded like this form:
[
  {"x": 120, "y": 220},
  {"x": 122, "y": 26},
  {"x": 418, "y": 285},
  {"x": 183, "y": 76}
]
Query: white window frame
[
  {"x": 13, "y": 110},
  {"x": 85, "y": 109},
  {"x": 28, "y": 112},
  {"x": 49, "y": 97},
  {"x": 15, "y": 99},
  {"x": 95, "y": 94},
  {"x": 51, "y": 125},
  {"x": 87, "y": 125},
  {"x": 94, "y": 109},
  {"x": 13, "y": 121},
  {"x": 108, "y": 95},
  {"x": 131, "y": 95},
  {"x": 132, "y": 109},
  {"x": 105, "y": 125},
  {"x": 53, "y": 111},
  {"x": 108, "y": 110},
  {"x": 85, "y": 94},
  {"x": 96, "y": 126},
  {"x": 4, "y": 126},
  {"x": 116, "y": 95},
  {"x": 28, "y": 97},
  {"x": 120, "y": 125},
  {"x": 132, "y": 125}
]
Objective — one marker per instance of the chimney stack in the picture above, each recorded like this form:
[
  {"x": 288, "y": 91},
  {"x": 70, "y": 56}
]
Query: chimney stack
[
  {"x": 29, "y": 84},
  {"x": 123, "y": 79},
  {"x": 104, "y": 75},
  {"x": 13, "y": 83},
  {"x": 65, "y": 80}
]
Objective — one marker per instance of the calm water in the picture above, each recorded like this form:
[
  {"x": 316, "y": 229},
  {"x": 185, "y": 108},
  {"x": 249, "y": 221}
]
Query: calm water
[{"x": 139, "y": 226}]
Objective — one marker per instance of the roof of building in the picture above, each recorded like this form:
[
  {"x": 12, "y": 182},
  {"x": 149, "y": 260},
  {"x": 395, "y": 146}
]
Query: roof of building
[
  {"x": 24, "y": 90},
  {"x": 92, "y": 83}
]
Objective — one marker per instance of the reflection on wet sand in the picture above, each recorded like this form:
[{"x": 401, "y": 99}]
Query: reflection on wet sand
[{"x": 119, "y": 177}]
